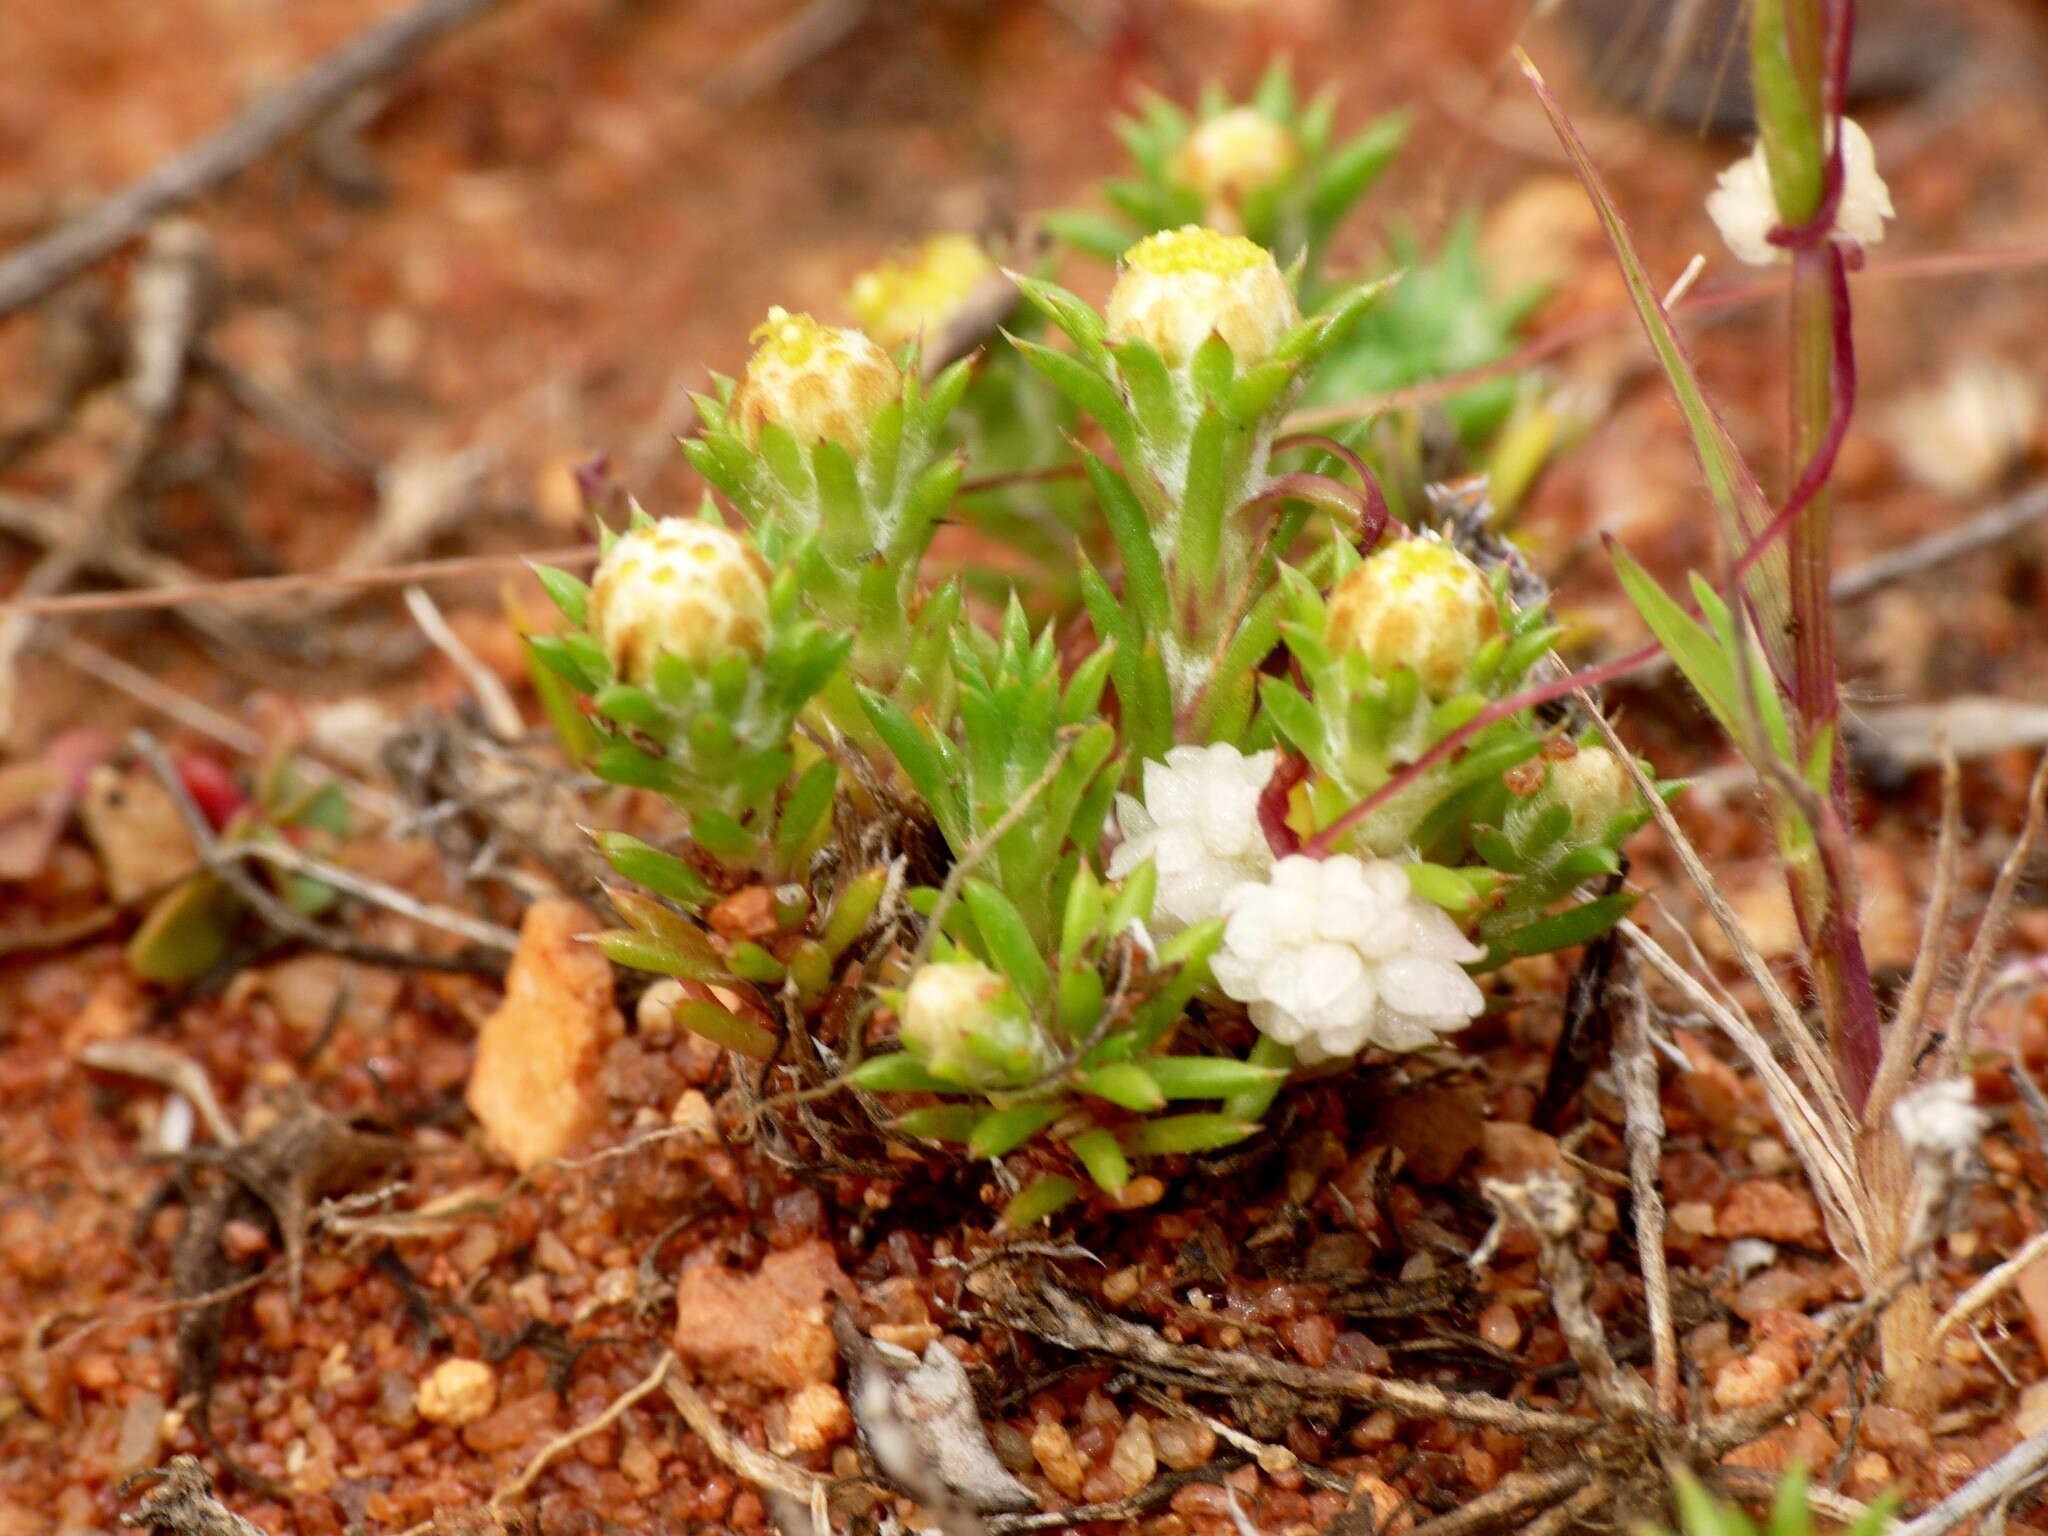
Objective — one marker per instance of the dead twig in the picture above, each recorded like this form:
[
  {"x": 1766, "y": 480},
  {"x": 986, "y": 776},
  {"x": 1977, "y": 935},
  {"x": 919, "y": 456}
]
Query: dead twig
[
  {"x": 1050, "y": 1312},
  {"x": 1636, "y": 1065},
  {"x": 1980, "y": 532},
  {"x": 169, "y": 298},
  {"x": 572, "y": 1438},
  {"x": 757, "y": 1467},
  {"x": 1513, "y": 1495},
  {"x": 2012, "y": 1471},
  {"x": 493, "y": 698},
  {"x": 228, "y": 863},
  {"x": 380, "y": 51},
  {"x": 263, "y": 589},
  {"x": 1549, "y": 1207},
  {"x": 168, "y": 1068},
  {"x": 1994, "y": 1284}
]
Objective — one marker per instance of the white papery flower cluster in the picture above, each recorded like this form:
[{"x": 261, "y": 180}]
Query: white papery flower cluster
[
  {"x": 1199, "y": 824},
  {"x": 1744, "y": 209},
  {"x": 1331, "y": 955},
  {"x": 1337, "y": 954}
]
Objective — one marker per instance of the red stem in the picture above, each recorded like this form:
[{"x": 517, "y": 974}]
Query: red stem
[{"x": 1288, "y": 771}]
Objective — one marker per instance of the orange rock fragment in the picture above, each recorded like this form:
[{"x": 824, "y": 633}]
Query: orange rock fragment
[{"x": 535, "y": 1087}]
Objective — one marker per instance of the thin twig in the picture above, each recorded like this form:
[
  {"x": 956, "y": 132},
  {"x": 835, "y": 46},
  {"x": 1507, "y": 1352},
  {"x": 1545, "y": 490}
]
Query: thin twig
[
  {"x": 1966, "y": 538},
  {"x": 1513, "y": 1495},
  {"x": 169, "y": 300},
  {"x": 965, "y": 864},
  {"x": 1993, "y": 1284},
  {"x": 1054, "y": 1314},
  {"x": 286, "y": 857},
  {"x": 572, "y": 1438},
  {"x": 493, "y": 698},
  {"x": 757, "y": 1467},
  {"x": 262, "y": 589},
  {"x": 37, "y": 268},
  {"x": 227, "y": 863},
  {"x": 1636, "y": 1065},
  {"x": 2020, "y": 1465}
]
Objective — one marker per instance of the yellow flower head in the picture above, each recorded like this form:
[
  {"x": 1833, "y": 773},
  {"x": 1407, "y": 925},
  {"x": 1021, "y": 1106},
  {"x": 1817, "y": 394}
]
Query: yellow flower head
[
  {"x": 687, "y": 588},
  {"x": 821, "y": 383},
  {"x": 1178, "y": 287},
  {"x": 1415, "y": 603},
  {"x": 1594, "y": 786},
  {"x": 1234, "y": 155},
  {"x": 900, "y": 301}
]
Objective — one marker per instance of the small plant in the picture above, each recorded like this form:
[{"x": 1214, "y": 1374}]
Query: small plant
[{"x": 1084, "y": 888}]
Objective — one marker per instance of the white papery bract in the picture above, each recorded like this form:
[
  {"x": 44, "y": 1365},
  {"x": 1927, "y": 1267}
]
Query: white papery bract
[
  {"x": 1199, "y": 824},
  {"x": 1338, "y": 954},
  {"x": 1745, "y": 210}
]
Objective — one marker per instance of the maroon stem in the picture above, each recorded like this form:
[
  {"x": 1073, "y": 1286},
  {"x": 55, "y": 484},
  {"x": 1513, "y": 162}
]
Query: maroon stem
[
  {"x": 1288, "y": 771},
  {"x": 1378, "y": 516}
]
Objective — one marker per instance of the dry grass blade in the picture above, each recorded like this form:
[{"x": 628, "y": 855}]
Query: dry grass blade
[
  {"x": 1991, "y": 927},
  {"x": 1828, "y": 1161},
  {"x": 1910, "y": 1021}
]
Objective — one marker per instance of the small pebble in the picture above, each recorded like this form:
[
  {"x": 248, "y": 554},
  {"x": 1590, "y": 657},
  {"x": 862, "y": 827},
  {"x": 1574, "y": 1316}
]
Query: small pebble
[
  {"x": 1132, "y": 1460},
  {"x": 1184, "y": 1445},
  {"x": 458, "y": 1392},
  {"x": 1054, "y": 1450},
  {"x": 1499, "y": 1326}
]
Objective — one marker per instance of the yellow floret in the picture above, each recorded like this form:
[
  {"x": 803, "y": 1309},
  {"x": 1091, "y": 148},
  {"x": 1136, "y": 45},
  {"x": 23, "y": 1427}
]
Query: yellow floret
[
  {"x": 690, "y": 589},
  {"x": 1417, "y": 603},
  {"x": 821, "y": 383},
  {"x": 900, "y": 301}
]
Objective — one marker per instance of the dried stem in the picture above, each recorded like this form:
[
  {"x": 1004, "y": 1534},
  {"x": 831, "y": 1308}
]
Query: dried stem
[{"x": 1636, "y": 1066}]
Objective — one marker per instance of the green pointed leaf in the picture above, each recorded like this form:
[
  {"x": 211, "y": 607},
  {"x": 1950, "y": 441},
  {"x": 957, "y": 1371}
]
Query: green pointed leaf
[
  {"x": 1097, "y": 1151},
  {"x": 1038, "y": 1200},
  {"x": 897, "y": 1072},
  {"x": 1125, "y": 1084},
  {"x": 1169, "y": 1134},
  {"x": 1001, "y": 1131},
  {"x": 1208, "y": 1077}
]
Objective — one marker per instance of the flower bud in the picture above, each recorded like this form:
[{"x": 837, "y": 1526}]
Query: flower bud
[
  {"x": 688, "y": 588},
  {"x": 900, "y": 301},
  {"x": 1235, "y": 155},
  {"x": 821, "y": 383},
  {"x": 1594, "y": 786},
  {"x": 967, "y": 1025},
  {"x": 1415, "y": 603},
  {"x": 1178, "y": 287}
]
